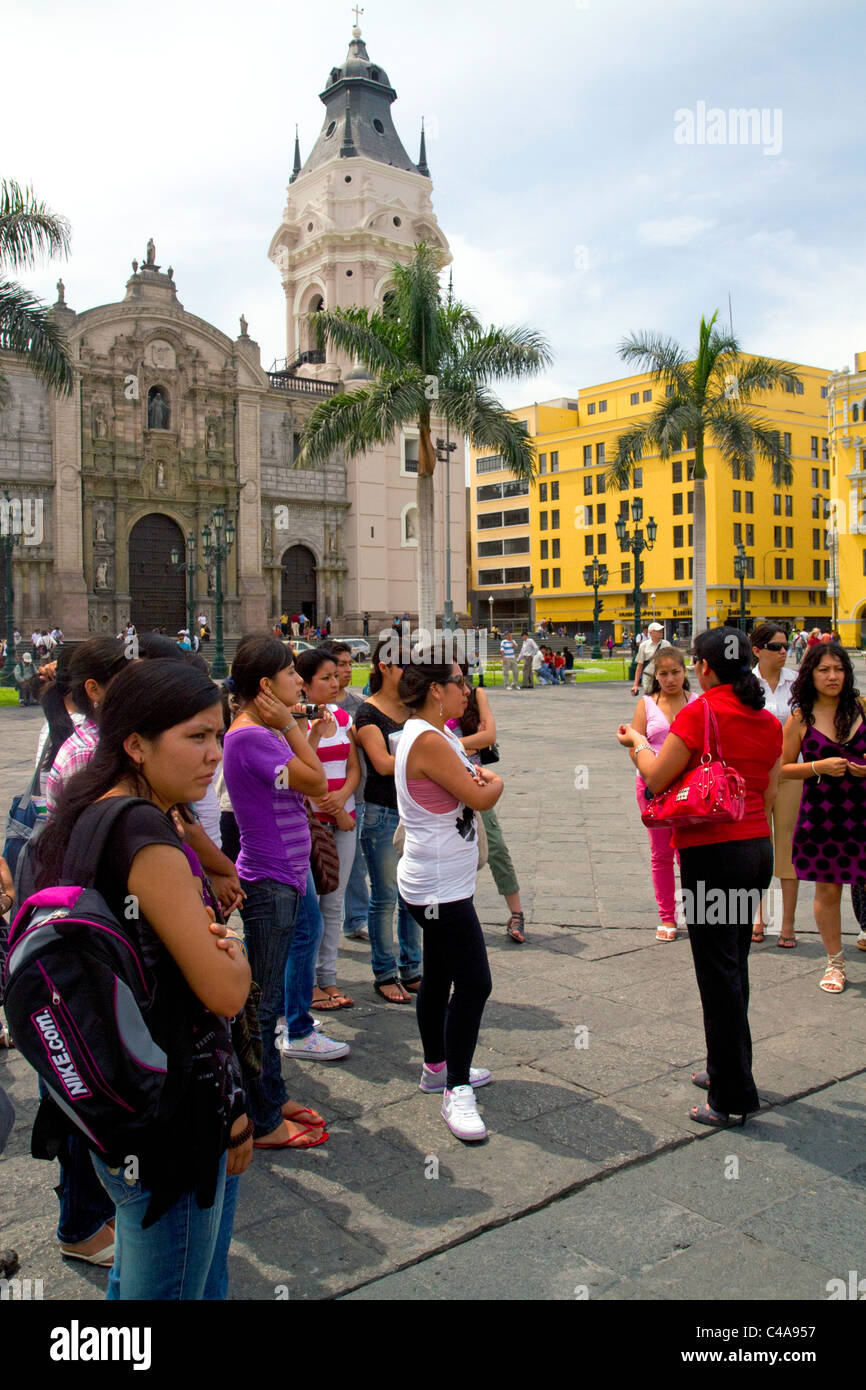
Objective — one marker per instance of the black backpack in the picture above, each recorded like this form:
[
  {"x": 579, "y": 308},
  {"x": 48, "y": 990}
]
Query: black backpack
[{"x": 111, "y": 1041}]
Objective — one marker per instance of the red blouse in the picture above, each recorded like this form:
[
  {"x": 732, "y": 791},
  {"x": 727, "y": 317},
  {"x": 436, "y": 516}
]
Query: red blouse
[{"x": 751, "y": 742}]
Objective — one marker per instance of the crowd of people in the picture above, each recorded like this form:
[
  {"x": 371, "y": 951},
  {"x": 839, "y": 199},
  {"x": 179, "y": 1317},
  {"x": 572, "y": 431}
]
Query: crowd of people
[{"x": 319, "y": 813}]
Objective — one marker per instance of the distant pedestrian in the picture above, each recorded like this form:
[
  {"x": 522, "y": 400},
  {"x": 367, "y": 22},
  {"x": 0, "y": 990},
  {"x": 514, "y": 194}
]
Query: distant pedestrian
[
  {"x": 508, "y": 651},
  {"x": 366, "y": 625},
  {"x": 528, "y": 649}
]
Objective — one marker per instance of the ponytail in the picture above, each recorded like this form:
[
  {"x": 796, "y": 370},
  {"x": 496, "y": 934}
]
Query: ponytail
[{"x": 728, "y": 653}]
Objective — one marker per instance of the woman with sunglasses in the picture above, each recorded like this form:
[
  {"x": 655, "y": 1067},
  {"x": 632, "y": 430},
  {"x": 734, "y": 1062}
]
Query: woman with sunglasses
[
  {"x": 378, "y": 718},
  {"x": 825, "y": 751},
  {"x": 438, "y": 793},
  {"x": 770, "y": 647},
  {"x": 725, "y": 866}
]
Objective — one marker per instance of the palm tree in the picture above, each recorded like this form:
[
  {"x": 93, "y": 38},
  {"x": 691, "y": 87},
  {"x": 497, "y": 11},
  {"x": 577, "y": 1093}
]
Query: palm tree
[
  {"x": 29, "y": 231},
  {"x": 706, "y": 400},
  {"x": 430, "y": 360}
]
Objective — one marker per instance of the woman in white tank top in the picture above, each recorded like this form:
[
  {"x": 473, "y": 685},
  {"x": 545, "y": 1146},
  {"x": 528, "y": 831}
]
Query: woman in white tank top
[{"x": 438, "y": 793}]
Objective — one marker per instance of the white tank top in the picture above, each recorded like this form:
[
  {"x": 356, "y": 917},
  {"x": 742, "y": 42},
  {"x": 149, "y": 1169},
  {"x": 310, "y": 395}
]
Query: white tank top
[{"x": 440, "y": 858}]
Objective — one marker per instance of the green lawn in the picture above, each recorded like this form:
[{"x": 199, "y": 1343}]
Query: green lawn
[
  {"x": 585, "y": 672},
  {"x": 8, "y": 697}
]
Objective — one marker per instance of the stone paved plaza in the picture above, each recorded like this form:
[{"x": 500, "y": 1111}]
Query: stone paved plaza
[{"x": 593, "y": 1182}]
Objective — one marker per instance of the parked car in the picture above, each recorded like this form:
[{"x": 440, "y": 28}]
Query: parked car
[
  {"x": 360, "y": 647},
  {"x": 297, "y": 644}
]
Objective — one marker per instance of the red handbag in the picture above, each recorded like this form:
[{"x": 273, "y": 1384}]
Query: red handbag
[{"x": 712, "y": 793}]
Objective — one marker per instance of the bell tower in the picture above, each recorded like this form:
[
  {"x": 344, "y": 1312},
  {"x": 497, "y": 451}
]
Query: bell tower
[{"x": 356, "y": 205}]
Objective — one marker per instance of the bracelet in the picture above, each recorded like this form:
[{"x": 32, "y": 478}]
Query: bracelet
[
  {"x": 233, "y": 936},
  {"x": 642, "y": 748},
  {"x": 6, "y": 902},
  {"x": 240, "y": 1139},
  {"x": 816, "y": 772}
]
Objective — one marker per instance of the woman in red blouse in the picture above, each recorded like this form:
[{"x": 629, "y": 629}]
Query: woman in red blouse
[{"x": 724, "y": 868}]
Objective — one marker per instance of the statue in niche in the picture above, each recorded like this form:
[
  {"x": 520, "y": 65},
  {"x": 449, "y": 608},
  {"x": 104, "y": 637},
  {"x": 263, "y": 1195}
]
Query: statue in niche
[
  {"x": 338, "y": 540},
  {"x": 213, "y": 442},
  {"x": 100, "y": 527},
  {"x": 160, "y": 474},
  {"x": 157, "y": 409},
  {"x": 267, "y": 550},
  {"x": 102, "y": 575},
  {"x": 99, "y": 421},
  {"x": 412, "y": 524}
]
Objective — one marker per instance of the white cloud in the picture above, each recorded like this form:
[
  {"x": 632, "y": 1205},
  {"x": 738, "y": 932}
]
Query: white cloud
[{"x": 674, "y": 231}]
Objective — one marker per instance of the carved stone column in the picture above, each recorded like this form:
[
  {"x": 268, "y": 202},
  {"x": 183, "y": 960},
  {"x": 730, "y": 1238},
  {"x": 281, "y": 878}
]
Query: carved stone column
[{"x": 69, "y": 592}]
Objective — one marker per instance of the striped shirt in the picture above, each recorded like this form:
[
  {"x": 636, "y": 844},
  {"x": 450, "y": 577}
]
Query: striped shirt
[
  {"x": 507, "y": 648},
  {"x": 74, "y": 754},
  {"x": 333, "y": 754}
]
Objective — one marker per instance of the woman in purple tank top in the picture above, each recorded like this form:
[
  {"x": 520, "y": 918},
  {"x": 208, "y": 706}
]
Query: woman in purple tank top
[{"x": 653, "y": 718}]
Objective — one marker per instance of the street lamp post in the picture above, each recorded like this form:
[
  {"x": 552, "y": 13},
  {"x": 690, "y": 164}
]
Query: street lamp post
[
  {"x": 9, "y": 537},
  {"x": 189, "y": 567},
  {"x": 653, "y": 602},
  {"x": 490, "y": 601},
  {"x": 444, "y": 450},
  {"x": 594, "y": 576},
  {"x": 740, "y": 566},
  {"x": 527, "y": 590},
  {"x": 215, "y": 551},
  {"x": 636, "y": 544}
]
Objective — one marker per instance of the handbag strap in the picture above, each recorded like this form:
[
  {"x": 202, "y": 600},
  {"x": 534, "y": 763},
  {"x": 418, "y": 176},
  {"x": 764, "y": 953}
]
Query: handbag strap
[{"x": 710, "y": 721}]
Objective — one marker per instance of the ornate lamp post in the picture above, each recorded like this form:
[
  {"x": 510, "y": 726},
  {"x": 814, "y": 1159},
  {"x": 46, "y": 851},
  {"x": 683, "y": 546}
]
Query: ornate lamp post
[
  {"x": 10, "y": 535},
  {"x": 444, "y": 450},
  {"x": 528, "y": 590},
  {"x": 189, "y": 568},
  {"x": 594, "y": 576},
  {"x": 216, "y": 549},
  {"x": 740, "y": 567},
  {"x": 636, "y": 544}
]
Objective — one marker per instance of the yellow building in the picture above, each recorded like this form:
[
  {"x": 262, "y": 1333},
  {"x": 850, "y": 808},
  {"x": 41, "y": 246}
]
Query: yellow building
[
  {"x": 546, "y": 533},
  {"x": 846, "y": 411}
]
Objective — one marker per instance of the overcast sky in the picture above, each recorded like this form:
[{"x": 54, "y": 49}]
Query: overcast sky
[{"x": 558, "y": 147}]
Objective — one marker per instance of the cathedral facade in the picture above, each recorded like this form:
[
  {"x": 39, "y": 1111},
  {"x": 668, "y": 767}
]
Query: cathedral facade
[{"x": 170, "y": 418}]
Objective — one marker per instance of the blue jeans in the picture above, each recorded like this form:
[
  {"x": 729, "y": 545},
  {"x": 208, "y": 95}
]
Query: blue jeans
[
  {"x": 357, "y": 903},
  {"x": 172, "y": 1260},
  {"x": 377, "y": 840},
  {"x": 84, "y": 1207},
  {"x": 269, "y": 914},
  {"x": 216, "y": 1288},
  {"x": 300, "y": 972}
]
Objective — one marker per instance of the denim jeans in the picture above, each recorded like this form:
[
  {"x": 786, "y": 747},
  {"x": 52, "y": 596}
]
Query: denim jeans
[
  {"x": 356, "y": 906},
  {"x": 377, "y": 841},
  {"x": 269, "y": 914},
  {"x": 84, "y": 1207},
  {"x": 216, "y": 1287},
  {"x": 300, "y": 972},
  {"x": 172, "y": 1260},
  {"x": 331, "y": 907}
]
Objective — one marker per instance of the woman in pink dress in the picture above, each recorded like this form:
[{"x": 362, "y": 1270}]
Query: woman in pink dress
[{"x": 653, "y": 718}]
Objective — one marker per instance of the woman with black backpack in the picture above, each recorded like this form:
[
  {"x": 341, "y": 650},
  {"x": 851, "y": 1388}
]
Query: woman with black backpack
[{"x": 158, "y": 744}]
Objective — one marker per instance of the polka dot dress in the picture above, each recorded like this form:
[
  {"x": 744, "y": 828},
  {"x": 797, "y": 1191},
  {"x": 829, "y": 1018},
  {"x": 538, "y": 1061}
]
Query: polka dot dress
[{"x": 830, "y": 838}]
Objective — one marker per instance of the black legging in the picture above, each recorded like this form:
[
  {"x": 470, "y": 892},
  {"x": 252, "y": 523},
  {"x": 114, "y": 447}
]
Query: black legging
[
  {"x": 720, "y": 932},
  {"x": 454, "y": 953}
]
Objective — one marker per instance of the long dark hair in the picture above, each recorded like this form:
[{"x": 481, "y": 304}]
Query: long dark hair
[
  {"x": 60, "y": 724},
  {"x": 804, "y": 694},
  {"x": 417, "y": 679},
  {"x": 309, "y": 663},
  {"x": 470, "y": 719},
  {"x": 385, "y": 644},
  {"x": 728, "y": 653},
  {"x": 256, "y": 657},
  {"x": 147, "y": 698},
  {"x": 98, "y": 659}
]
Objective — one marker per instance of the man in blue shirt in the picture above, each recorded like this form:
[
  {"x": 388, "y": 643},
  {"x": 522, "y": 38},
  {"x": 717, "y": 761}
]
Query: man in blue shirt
[{"x": 509, "y": 662}]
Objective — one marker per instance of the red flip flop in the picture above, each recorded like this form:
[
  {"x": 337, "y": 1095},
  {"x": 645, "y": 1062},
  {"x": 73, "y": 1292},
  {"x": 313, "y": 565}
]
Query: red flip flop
[
  {"x": 292, "y": 1143},
  {"x": 311, "y": 1123}
]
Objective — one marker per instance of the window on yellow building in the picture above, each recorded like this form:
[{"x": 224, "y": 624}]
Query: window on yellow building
[
  {"x": 691, "y": 568},
  {"x": 542, "y": 521},
  {"x": 774, "y": 595},
  {"x": 587, "y": 456},
  {"x": 542, "y": 492},
  {"x": 816, "y": 538},
  {"x": 750, "y": 566},
  {"x": 648, "y": 395},
  {"x": 786, "y": 596},
  {"x": 738, "y": 533},
  {"x": 517, "y": 545},
  {"x": 555, "y": 548},
  {"x": 545, "y": 579},
  {"x": 691, "y": 539},
  {"x": 554, "y": 519},
  {"x": 816, "y": 569},
  {"x": 590, "y": 409},
  {"x": 601, "y": 544},
  {"x": 587, "y": 486},
  {"x": 825, "y": 452},
  {"x": 816, "y": 507},
  {"x": 777, "y": 537},
  {"x": 601, "y": 513},
  {"x": 789, "y": 538},
  {"x": 587, "y": 545},
  {"x": 602, "y": 407},
  {"x": 557, "y": 579},
  {"x": 826, "y": 569},
  {"x": 554, "y": 461},
  {"x": 735, "y": 470},
  {"x": 637, "y": 480},
  {"x": 635, "y": 398},
  {"x": 542, "y": 463},
  {"x": 814, "y": 477},
  {"x": 599, "y": 482},
  {"x": 789, "y": 504},
  {"x": 814, "y": 445},
  {"x": 679, "y": 569},
  {"x": 737, "y": 503},
  {"x": 777, "y": 504},
  {"x": 678, "y": 504},
  {"x": 786, "y": 442},
  {"x": 777, "y": 567},
  {"x": 519, "y": 516},
  {"x": 587, "y": 516},
  {"x": 544, "y": 545},
  {"x": 678, "y": 537},
  {"x": 625, "y": 574},
  {"x": 825, "y": 478},
  {"x": 623, "y": 510},
  {"x": 554, "y": 492},
  {"x": 789, "y": 571},
  {"x": 690, "y": 502},
  {"x": 677, "y": 470},
  {"x": 599, "y": 454},
  {"x": 750, "y": 533},
  {"x": 487, "y": 521}
]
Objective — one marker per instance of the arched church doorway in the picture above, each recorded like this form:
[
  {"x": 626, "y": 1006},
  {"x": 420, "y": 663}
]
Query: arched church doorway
[
  {"x": 298, "y": 586},
  {"x": 157, "y": 592}
]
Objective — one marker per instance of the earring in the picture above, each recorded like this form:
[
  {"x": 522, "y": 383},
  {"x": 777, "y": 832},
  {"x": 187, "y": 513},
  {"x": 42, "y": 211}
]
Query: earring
[{"x": 441, "y": 710}]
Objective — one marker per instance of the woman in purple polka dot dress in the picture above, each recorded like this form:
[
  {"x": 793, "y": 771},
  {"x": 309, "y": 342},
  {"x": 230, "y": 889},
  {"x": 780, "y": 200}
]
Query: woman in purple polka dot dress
[{"x": 826, "y": 729}]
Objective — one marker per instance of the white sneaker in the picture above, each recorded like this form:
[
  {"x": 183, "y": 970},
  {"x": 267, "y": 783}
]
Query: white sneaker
[
  {"x": 433, "y": 1082},
  {"x": 280, "y": 1032},
  {"x": 315, "y": 1048},
  {"x": 460, "y": 1113}
]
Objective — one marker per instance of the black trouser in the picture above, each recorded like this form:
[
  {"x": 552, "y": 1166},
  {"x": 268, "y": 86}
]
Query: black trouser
[
  {"x": 454, "y": 953},
  {"x": 721, "y": 885},
  {"x": 858, "y": 902},
  {"x": 230, "y": 835}
]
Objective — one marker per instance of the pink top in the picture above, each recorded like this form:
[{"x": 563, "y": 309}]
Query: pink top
[
  {"x": 430, "y": 795},
  {"x": 657, "y": 725}
]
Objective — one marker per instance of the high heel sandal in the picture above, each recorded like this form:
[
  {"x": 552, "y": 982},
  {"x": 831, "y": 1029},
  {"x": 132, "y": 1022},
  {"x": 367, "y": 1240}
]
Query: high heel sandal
[{"x": 833, "y": 979}]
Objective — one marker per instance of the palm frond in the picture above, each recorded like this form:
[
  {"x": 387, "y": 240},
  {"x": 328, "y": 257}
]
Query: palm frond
[
  {"x": 353, "y": 421},
  {"x": 503, "y": 352},
  {"x": 757, "y": 375},
  {"x": 29, "y": 230},
  {"x": 473, "y": 409},
  {"x": 27, "y": 327},
  {"x": 369, "y": 337},
  {"x": 416, "y": 303},
  {"x": 662, "y": 358},
  {"x": 740, "y": 435}
]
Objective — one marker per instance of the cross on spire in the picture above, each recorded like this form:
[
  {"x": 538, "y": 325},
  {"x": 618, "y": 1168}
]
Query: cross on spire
[{"x": 357, "y": 11}]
